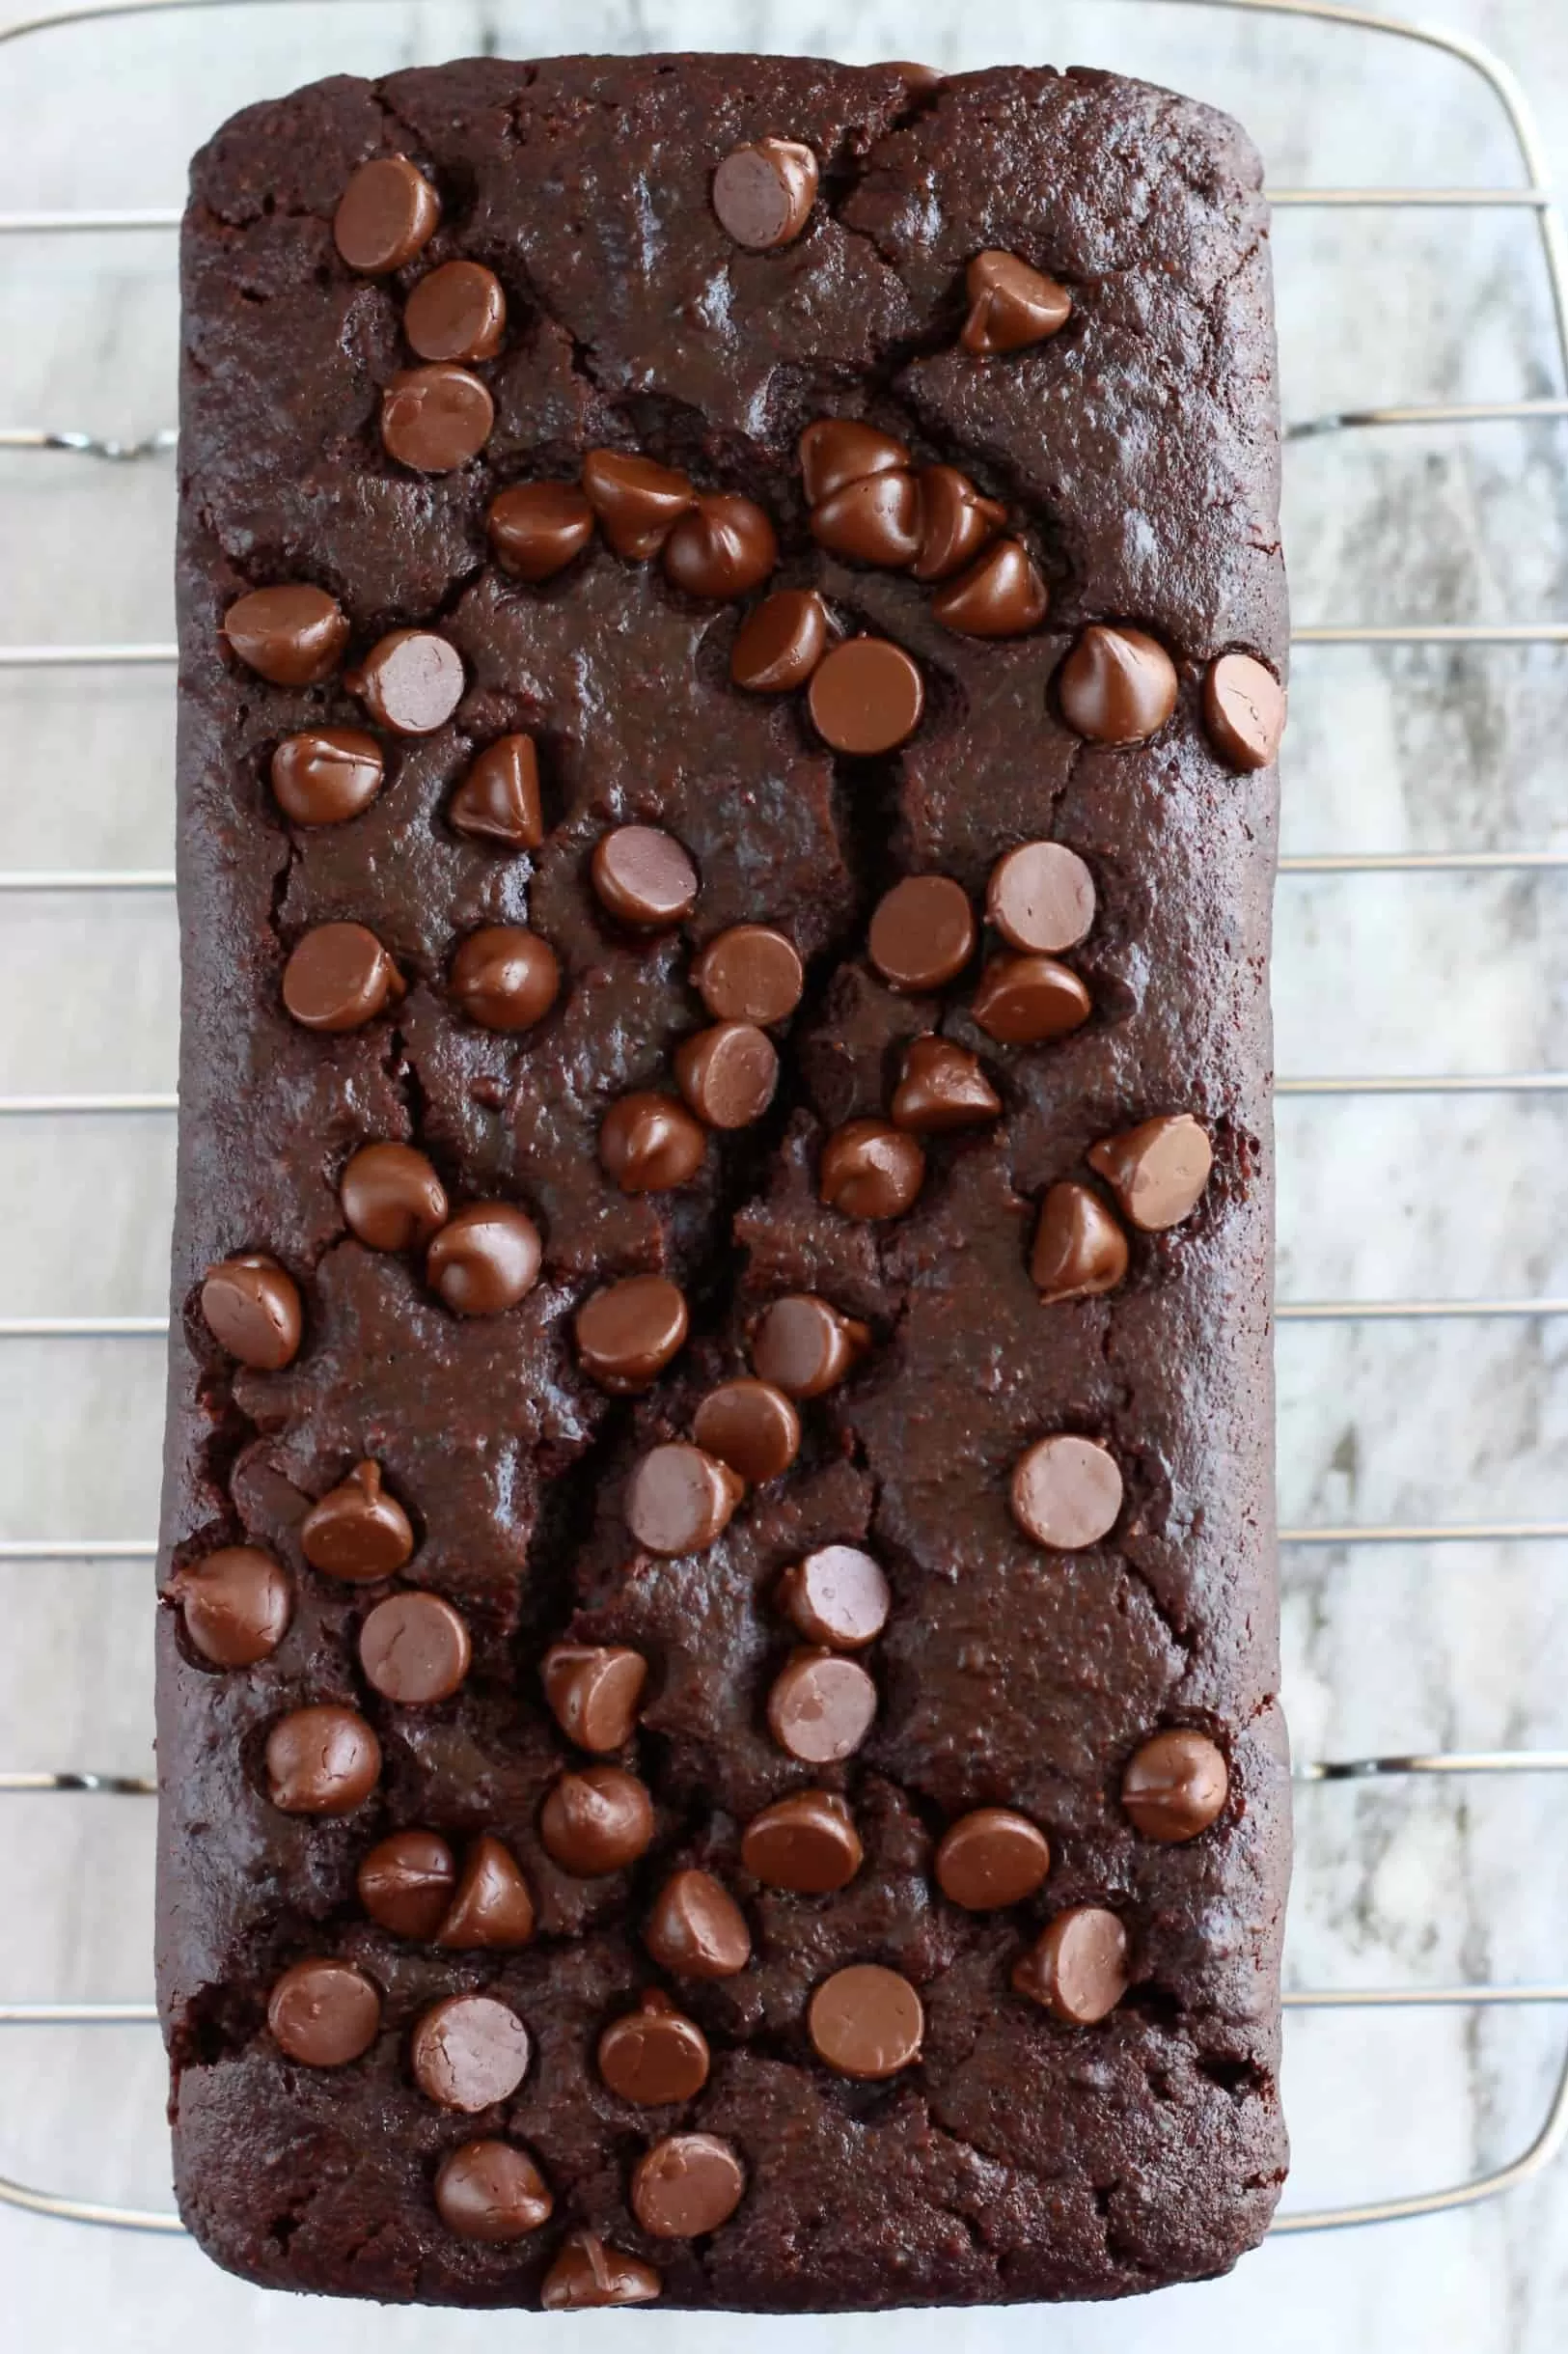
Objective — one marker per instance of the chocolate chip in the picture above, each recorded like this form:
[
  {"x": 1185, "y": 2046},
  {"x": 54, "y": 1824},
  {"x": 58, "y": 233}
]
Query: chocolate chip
[
  {"x": 491, "y": 2192},
  {"x": 415, "y": 1650},
  {"x": 324, "y": 2013},
  {"x": 727, "y": 1074},
  {"x": 457, "y": 312},
  {"x": 411, "y": 681},
  {"x": 339, "y": 977},
  {"x": 485, "y": 1258},
  {"x": 1001, "y": 596},
  {"x": 875, "y": 520},
  {"x": 628, "y": 1333},
  {"x": 1080, "y": 1251},
  {"x": 291, "y": 636},
  {"x": 504, "y": 978},
  {"x": 724, "y": 547},
  {"x": 322, "y": 1760},
  {"x": 654, "y": 2054},
  {"x": 392, "y": 1196},
  {"x": 406, "y": 1883},
  {"x": 837, "y": 450},
  {"x": 955, "y": 522},
  {"x": 1077, "y": 1968},
  {"x": 433, "y": 419},
  {"x": 679, "y": 1498},
  {"x": 644, "y": 876},
  {"x": 763, "y": 192},
  {"x": 385, "y": 216},
  {"x": 468, "y": 2052},
  {"x": 235, "y": 1604},
  {"x": 1022, "y": 1000},
  {"x": 1157, "y": 1171},
  {"x": 821, "y": 1708},
  {"x": 593, "y": 1691},
  {"x": 326, "y": 775},
  {"x": 922, "y": 932},
  {"x": 1175, "y": 1786},
  {"x": 806, "y": 1842},
  {"x": 866, "y": 2022},
  {"x": 587, "y": 2275},
  {"x": 357, "y": 1530},
  {"x": 990, "y": 1858},
  {"x": 1010, "y": 305},
  {"x": 750, "y": 1425},
  {"x": 750, "y": 973},
  {"x": 869, "y": 1170},
  {"x": 837, "y": 1596},
  {"x": 1244, "y": 710},
  {"x": 942, "y": 1087},
  {"x": 491, "y": 1910},
  {"x": 638, "y": 503},
  {"x": 1066, "y": 1491},
  {"x": 651, "y": 1143},
  {"x": 804, "y": 1346},
  {"x": 537, "y": 528},
  {"x": 596, "y": 1820},
  {"x": 866, "y": 697},
  {"x": 1040, "y": 898},
  {"x": 251, "y": 1306},
  {"x": 499, "y": 799},
  {"x": 687, "y": 2185},
  {"x": 780, "y": 641},
  {"x": 1117, "y": 686},
  {"x": 697, "y": 1930}
]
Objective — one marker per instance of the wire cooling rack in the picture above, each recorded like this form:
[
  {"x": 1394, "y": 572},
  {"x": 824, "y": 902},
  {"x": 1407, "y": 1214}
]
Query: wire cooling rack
[{"x": 1531, "y": 199}]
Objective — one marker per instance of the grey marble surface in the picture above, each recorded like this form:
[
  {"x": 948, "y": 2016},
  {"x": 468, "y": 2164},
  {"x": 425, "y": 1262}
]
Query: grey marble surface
[{"x": 1462, "y": 1646}]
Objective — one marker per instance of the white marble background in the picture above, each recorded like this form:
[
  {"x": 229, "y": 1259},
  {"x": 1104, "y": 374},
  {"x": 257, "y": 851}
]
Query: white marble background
[{"x": 1452, "y": 1647}]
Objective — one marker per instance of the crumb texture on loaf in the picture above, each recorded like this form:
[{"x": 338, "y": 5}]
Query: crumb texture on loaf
[{"x": 975, "y": 1173}]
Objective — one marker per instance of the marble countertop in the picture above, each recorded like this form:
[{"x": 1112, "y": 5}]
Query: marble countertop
[{"x": 1464, "y": 1646}]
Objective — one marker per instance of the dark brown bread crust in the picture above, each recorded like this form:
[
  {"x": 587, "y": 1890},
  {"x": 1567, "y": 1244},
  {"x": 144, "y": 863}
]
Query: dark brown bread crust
[{"x": 1020, "y": 2159}]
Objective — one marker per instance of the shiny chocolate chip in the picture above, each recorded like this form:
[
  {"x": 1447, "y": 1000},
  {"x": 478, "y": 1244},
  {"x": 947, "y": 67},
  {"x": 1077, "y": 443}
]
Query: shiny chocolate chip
[
  {"x": 1023, "y": 1001},
  {"x": 654, "y": 2055},
  {"x": 1116, "y": 686},
  {"x": 594, "y": 1690},
  {"x": 651, "y": 1143},
  {"x": 324, "y": 2013},
  {"x": 505, "y": 977},
  {"x": 291, "y": 636},
  {"x": 596, "y": 1820},
  {"x": 537, "y": 528},
  {"x": 697, "y": 1930},
  {"x": 837, "y": 450},
  {"x": 679, "y": 1498},
  {"x": 1244, "y": 710},
  {"x": 955, "y": 522},
  {"x": 638, "y": 502},
  {"x": 763, "y": 192},
  {"x": 806, "y": 1842},
  {"x": 750, "y": 973},
  {"x": 874, "y": 519},
  {"x": 357, "y": 1532},
  {"x": 235, "y": 1604},
  {"x": 1066, "y": 1491},
  {"x": 1010, "y": 305},
  {"x": 869, "y": 1169},
  {"x": 392, "y": 1196},
  {"x": 457, "y": 312},
  {"x": 1003, "y": 595},
  {"x": 804, "y": 1346},
  {"x": 724, "y": 547},
  {"x": 1157, "y": 1171},
  {"x": 1077, "y": 1968},
  {"x": 866, "y": 2022},
  {"x": 251, "y": 1306},
  {"x": 727, "y": 1074},
  {"x": 326, "y": 775},
  {"x": 499, "y": 799},
  {"x": 1080, "y": 1251},
  {"x": 1040, "y": 898},
  {"x": 411, "y": 681},
  {"x": 339, "y": 977},
  {"x": 821, "y": 1708},
  {"x": 491, "y": 1909},
  {"x": 491, "y": 2192},
  {"x": 485, "y": 1258},
  {"x": 1175, "y": 1786},
  {"x": 588, "y": 2275},
  {"x": 406, "y": 1883},
  {"x": 992, "y": 1858},
  {"x": 750, "y": 1425},
  {"x": 644, "y": 876},
  {"x": 323, "y": 1760},
  {"x": 433, "y": 419},
  {"x": 468, "y": 2052},
  {"x": 866, "y": 697},
  {"x": 922, "y": 932},
  {"x": 838, "y": 1596},
  {"x": 780, "y": 641},
  {"x": 629, "y": 1332},
  {"x": 386, "y": 216},
  {"x": 687, "y": 2185},
  {"x": 942, "y": 1087},
  {"x": 415, "y": 1650}
]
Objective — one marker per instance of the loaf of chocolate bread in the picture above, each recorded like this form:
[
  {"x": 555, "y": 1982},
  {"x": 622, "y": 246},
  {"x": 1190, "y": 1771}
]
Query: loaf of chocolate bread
[{"x": 717, "y": 1669}]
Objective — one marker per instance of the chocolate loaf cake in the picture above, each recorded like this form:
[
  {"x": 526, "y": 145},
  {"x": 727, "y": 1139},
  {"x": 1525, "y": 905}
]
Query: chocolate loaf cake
[{"x": 717, "y": 1664}]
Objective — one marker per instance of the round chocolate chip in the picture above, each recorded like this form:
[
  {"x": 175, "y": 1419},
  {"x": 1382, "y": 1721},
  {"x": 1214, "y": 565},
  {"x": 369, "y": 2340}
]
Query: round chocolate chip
[
  {"x": 468, "y": 2052},
  {"x": 724, "y": 547},
  {"x": 593, "y": 1691},
  {"x": 1158, "y": 1171},
  {"x": 588, "y": 2275},
  {"x": 292, "y": 635},
  {"x": 806, "y": 1842},
  {"x": 750, "y": 1425},
  {"x": 505, "y": 977},
  {"x": 1116, "y": 686},
  {"x": 499, "y": 799},
  {"x": 804, "y": 1346},
  {"x": 385, "y": 216},
  {"x": 392, "y": 1198},
  {"x": 339, "y": 977},
  {"x": 1080, "y": 1251},
  {"x": 1040, "y": 898},
  {"x": 491, "y": 2192},
  {"x": 485, "y": 1258},
  {"x": 990, "y": 1858},
  {"x": 1244, "y": 710},
  {"x": 411, "y": 682},
  {"x": 870, "y": 1170},
  {"x": 687, "y": 2185},
  {"x": 323, "y": 1760},
  {"x": 1066, "y": 1492},
  {"x": 415, "y": 1648},
  {"x": 433, "y": 419},
  {"x": 922, "y": 932},
  {"x": 324, "y": 2013},
  {"x": 727, "y": 1074},
  {"x": 457, "y": 312},
  {"x": 251, "y": 1306},
  {"x": 821, "y": 1708},
  {"x": 629, "y": 1332},
  {"x": 596, "y": 1820},
  {"x": 537, "y": 528},
  {"x": 1176, "y": 1785},
  {"x": 866, "y": 2022},
  {"x": 1023, "y": 1001},
  {"x": 679, "y": 1498},
  {"x": 235, "y": 1604},
  {"x": 406, "y": 1883},
  {"x": 326, "y": 775},
  {"x": 645, "y": 877},
  {"x": 750, "y": 974},
  {"x": 651, "y": 1143},
  {"x": 780, "y": 643},
  {"x": 357, "y": 1532},
  {"x": 837, "y": 1596},
  {"x": 1077, "y": 1968},
  {"x": 697, "y": 1930},
  {"x": 763, "y": 192},
  {"x": 654, "y": 2054},
  {"x": 866, "y": 697}
]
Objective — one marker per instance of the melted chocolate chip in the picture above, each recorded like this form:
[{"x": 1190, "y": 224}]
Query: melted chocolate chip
[
  {"x": 1010, "y": 305},
  {"x": 866, "y": 697},
  {"x": 837, "y": 450},
  {"x": 1116, "y": 686},
  {"x": 324, "y": 2013},
  {"x": 806, "y": 1842},
  {"x": 724, "y": 547},
  {"x": 780, "y": 641},
  {"x": 955, "y": 522},
  {"x": 870, "y": 1170},
  {"x": 874, "y": 519},
  {"x": 457, "y": 312},
  {"x": 992, "y": 1858},
  {"x": 406, "y": 1883},
  {"x": 638, "y": 503},
  {"x": 385, "y": 216},
  {"x": 804, "y": 1346},
  {"x": 821, "y": 1708},
  {"x": 468, "y": 2052},
  {"x": 687, "y": 2185},
  {"x": 628, "y": 1333},
  {"x": 491, "y": 1910},
  {"x": 1158, "y": 1171},
  {"x": 1022, "y": 1000},
  {"x": 322, "y": 1760},
  {"x": 485, "y": 1258},
  {"x": 251, "y": 1306},
  {"x": 651, "y": 1143},
  {"x": 763, "y": 192},
  {"x": 588, "y": 2275},
  {"x": 491, "y": 2192},
  {"x": 942, "y": 1087},
  {"x": 679, "y": 1498},
  {"x": 866, "y": 2022},
  {"x": 537, "y": 528},
  {"x": 1003, "y": 595},
  {"x": 326, "y": 775},
  {"x": 595, "y": 1691},
  {"x": 837, "y": 1596},
  {"x": 392, "y": 1198},
  {"x": 654, "y": 2055},
  {"x": 506, "y": 978},
  {"x": 644, "y": 876},
  {"x": 727, "y": 1074},
  {"x": 1040, "y": 898},
  {"x": 1175, "y": 1786},
  {"x": 339, "y": 977},
  {"x": 597, "y": 1821},
  {"x": 291, "y": 636},
  {"x": 498, "y": 800},
  {"x": 750, "y": 974},
  {"x": 433, "y": 419},
  {"x": 750, "y": 1425},
  {"x": 415, "y": 1650},
  {"x": 235, "y": 1604},
  {"x": 1244, "y": 710},
  {"x": 1078, "y": 1967},
  {"x": 922, "y": 932},
  {"x": 411, "y": 682},
  {"x": 357, "y": 1532},
  {"x": 1080, "y": 1251},
  {"x": 1066, "y": 1492},
  {"x": 697, "y": 1930}
]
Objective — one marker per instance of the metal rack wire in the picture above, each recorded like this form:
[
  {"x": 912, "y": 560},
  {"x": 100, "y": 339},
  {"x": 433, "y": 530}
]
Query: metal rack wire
[{"x": 1532, "y": 197}]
